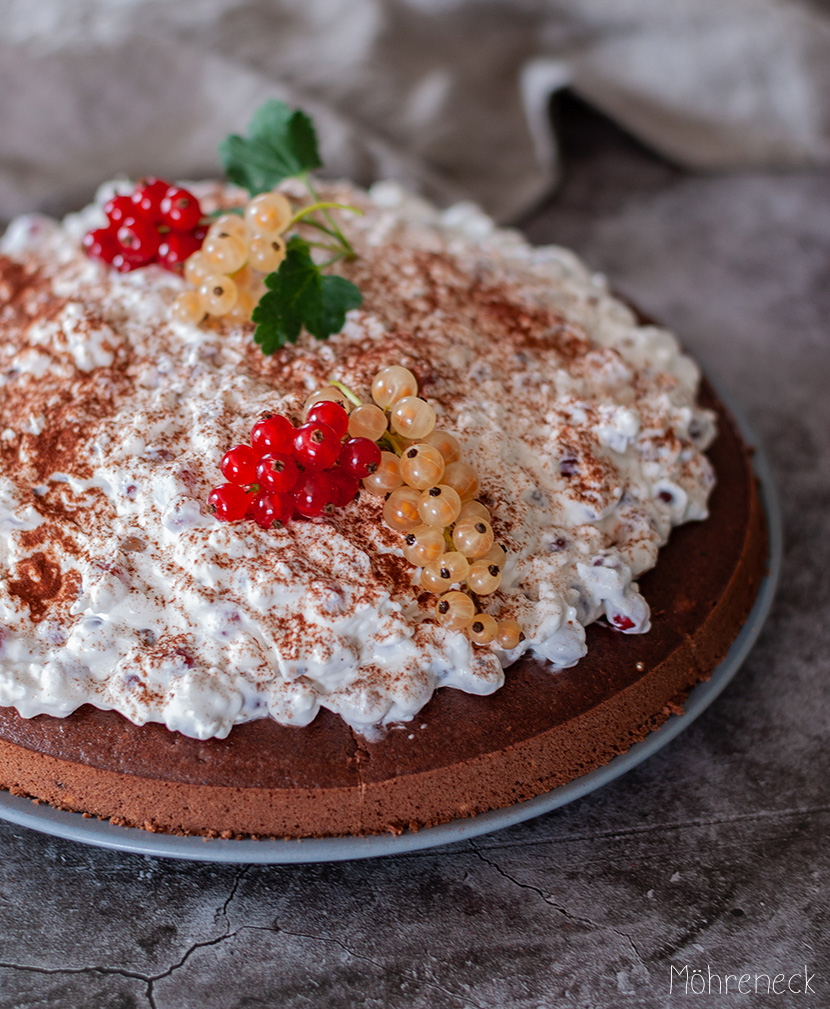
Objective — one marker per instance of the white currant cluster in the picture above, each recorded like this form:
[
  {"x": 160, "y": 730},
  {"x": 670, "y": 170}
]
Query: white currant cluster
[
  {"x": 431, "y": 499},
  {"x": 228, "y": 272}
]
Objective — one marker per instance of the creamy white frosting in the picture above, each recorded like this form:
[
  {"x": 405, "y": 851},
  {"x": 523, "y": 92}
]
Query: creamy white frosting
[{"x": 201, "y": 625}]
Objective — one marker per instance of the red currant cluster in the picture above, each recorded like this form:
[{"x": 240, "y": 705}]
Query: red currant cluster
[
  {"x": 290, "y": 471},
  {"x": 158, "y": 223}
]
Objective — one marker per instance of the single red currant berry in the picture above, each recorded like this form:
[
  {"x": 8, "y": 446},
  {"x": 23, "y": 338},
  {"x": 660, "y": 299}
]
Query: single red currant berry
[
  {"x": 273, "y": 435},
  {"x": 285, "y": 508},
  {"x": 180, "y": 209},
  {"x": 345, "y": 487},
  {"x": 119, "y": 208},
  {"x": 175, "y": 247},
  {"x": 239, "y": 465},
  {"x": 228, "y": 502},
  {"x": 622, "y": 622},
  {"x": 314, "y": 495},
  {"x": 269, "y": 508},
  {"x": 332, "y": 414},
  {"x": 316, "y": 446},
  {"x": 278, "y": 472},
  {"x": 359, "y": 457},
  {"x": 147, "y": 199},
  {"x": 101, "y": 244},
  {"x": 138, "y": 240}
]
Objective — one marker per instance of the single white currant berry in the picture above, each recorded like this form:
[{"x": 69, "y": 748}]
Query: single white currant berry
[
  {"x": 412, "y": 417},
  {"x": 386, "y": 478},
  {"x": 446, "y": 444},
  {"x": 455, "y": 566},
  {"x": 218, "y": 294},
  {"x": 474, "y": 509},
  {"x": 196, "y": 267},
  {"x": 266, "y": 252},
  {"x": 400, "y": 510},
  {"x": 431, "y": 580},
  {"x": 463, "y": 478},
  {"x": 246, "y": 302},
  {"x": 509, "y": 634},
  {"x": 495, "y": 555},
  {"x": 367, "y": 421},
  {"x": 484, "y": 578},
  {"x": 473, "y": 537},
  {"x": 268, "y": 213},
  {"x": 423, "y": 544},
  {"x": 392, "y": 384},
  {"x": 439, "y": 506},
  {"x": 455, "y": 611},
  {"x": 187, "y": 308},
  {"x": 227, "y": 224},
  {"x": 225, "y": 253},
  {"x": 450, "y": 569},
  {"x": 422, "y": 466},
  {"x": 329, "y": 392},
  {"x": 483, "y": 629}
]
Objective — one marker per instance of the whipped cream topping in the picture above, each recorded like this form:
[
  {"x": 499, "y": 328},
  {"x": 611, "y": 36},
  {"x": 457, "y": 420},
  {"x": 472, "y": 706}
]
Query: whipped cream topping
[{"x": 119, "y": 590}]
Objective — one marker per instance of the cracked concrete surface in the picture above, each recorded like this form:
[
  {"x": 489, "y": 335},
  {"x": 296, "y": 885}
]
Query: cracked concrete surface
[{"x": 712, "y": 852}]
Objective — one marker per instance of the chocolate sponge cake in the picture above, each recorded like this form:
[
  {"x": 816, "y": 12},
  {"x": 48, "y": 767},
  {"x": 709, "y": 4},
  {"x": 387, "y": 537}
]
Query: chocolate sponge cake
[{"x": 174, "y": 673}]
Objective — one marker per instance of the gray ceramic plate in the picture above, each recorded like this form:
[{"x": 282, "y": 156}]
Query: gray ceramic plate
[{"x": 334, "y": 849}]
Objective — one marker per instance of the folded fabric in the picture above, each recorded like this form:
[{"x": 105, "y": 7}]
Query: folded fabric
[{"x": 449, "y": 95}]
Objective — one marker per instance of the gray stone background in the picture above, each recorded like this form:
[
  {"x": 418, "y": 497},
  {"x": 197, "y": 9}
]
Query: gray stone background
[{"x": 713, "y": 852}]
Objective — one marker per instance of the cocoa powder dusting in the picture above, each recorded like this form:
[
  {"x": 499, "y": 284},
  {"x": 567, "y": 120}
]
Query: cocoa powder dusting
[{"x": 39, "y": 582}]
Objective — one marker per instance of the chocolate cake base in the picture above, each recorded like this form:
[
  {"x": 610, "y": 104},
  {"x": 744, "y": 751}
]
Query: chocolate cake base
[{"x": 462, "y": 754}]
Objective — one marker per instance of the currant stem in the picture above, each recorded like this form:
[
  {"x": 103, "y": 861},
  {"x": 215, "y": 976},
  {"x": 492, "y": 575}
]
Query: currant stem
[
  {"x": 320, "y": 227},
  {"x": 351, "y": 396},
  {"x": 334, "y": 259},
  {"x": 312, "y": 207},
  {"x": 349, "y": 251},
  {"x": 326, "y": 246},
  {"x": 391, "y": 442}
]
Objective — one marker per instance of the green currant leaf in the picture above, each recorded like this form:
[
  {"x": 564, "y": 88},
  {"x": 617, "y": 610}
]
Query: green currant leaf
[
  {"x": 281, "y": 143},
  {"x": 298, "y": 296}
]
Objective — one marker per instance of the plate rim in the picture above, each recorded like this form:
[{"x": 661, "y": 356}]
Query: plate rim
[{"x": 25, "y": 812}]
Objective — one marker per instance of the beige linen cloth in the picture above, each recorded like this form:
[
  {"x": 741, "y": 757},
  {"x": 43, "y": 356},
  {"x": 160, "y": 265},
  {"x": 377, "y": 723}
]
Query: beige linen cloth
[{"x": 450, "y": 95}]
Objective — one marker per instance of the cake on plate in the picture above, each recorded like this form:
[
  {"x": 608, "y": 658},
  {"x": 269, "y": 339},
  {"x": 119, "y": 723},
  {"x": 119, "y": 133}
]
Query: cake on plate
[{"x": 296, "y": 676}]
